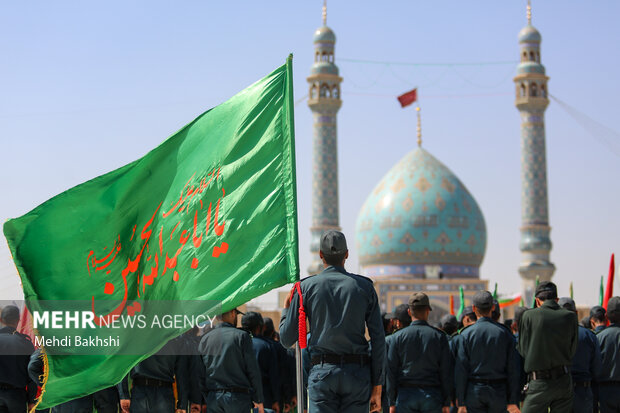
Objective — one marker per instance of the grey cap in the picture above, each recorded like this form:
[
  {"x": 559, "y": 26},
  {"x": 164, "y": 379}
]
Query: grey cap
[
  {"x": 568, "y": 303},
  {"x": 449, "y": 320},
  {"x": 333, "y": 243},
  {"x": 483, "y": 300},
  {"x": 613, "y": 305},
  {"x": 419, "y": 300}
]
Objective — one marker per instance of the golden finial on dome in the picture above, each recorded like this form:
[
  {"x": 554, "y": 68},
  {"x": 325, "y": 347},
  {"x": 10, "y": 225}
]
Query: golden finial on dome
[
  {"x": 529, "y": 12},
  {"x": 417, "y": 109},
  {"x": 324, "y": 12}
]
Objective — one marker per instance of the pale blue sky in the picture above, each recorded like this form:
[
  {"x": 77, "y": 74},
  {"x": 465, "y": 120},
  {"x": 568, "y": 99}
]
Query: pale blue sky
[{"x": 87, "y": 87}]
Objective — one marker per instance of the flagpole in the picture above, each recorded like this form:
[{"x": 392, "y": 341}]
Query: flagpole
[{"x": 299, "y": 374}]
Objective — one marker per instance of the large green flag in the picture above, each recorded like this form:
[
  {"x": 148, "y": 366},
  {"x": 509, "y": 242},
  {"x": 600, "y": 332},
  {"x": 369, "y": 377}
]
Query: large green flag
[{"x": 210, "y": 214}]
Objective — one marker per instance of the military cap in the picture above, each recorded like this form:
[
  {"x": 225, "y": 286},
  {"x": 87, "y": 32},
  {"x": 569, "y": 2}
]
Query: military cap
[
  {"x": 449, "y": 320},
  {"x": 333, "y": 243},
  {"x": 400, "y": 313},
  {"x": 613, "y": 305},
  {"x": 546, "y": 286},
  {"x": 483, "y": 300},
  {"x": 419, "y": 300},
  {"x": 568, "y": 303},
  {"x": 597, "y": 311}
]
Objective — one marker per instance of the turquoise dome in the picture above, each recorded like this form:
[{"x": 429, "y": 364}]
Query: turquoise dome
[
  {"x": 324, "y": 34},
  {"x": 529, "y": 34},
  {"x": 324, "y": 67},
  {"x": 530, "y": 67},
  {"x": 420, "y": 215}
]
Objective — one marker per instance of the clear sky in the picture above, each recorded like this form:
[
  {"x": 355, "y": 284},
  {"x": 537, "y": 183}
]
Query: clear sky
[{"x": 86, "y": 87}]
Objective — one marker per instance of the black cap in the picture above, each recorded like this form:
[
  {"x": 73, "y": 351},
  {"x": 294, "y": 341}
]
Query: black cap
[
  {"x": 448, "y": 320},
  {"x": 568, "y": 303},
  {"x": 467, "y": 311},
  {"x": 546, "y": 286},
  {"x": 483, "y": 300},
  {"x": 387, "y": 316},
  {"x": 333, "y": 243},
  {"x": 613, "y": 305},
  {"x": 10, "y": 314},
  {"x": 419, "y": 300},
  {"x": 400, "y": 313},
  {"x": 251, "y": 320},
  {"x": 597, "y": 311}
]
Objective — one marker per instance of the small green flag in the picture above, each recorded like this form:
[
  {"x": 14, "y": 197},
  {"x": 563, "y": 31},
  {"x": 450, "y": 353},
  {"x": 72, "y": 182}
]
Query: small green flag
[
  {"x": 601, "y": 292},
  {"x": 534, "y": 295},
  {"x": 495, "y": 292},
  {"x": 210, "y": 214},
  {"x": 462, "y": 304},
  {"x": 570, "y": 288}
]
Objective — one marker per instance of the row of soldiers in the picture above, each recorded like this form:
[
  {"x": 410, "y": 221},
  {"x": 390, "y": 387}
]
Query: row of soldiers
[{"x": 548, "y": 364}]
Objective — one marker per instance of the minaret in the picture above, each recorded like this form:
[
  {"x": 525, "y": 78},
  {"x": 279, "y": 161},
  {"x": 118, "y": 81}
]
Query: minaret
[
  {"x": 324, "y": 101},
  {"x": 532, "y": 100}
]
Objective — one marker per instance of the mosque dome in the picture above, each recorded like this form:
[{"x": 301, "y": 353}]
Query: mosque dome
[
  {"x": 530, "y": 67},
  {"x": 324, "y": 67},
  {"x": 419, "y": 217},
  {"x": 324, "y": 34},
  {"x": 529, "y": 34}
]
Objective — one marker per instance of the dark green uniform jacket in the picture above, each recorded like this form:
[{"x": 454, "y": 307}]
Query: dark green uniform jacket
[
  {"x": 609, "y": 340},
  {"x": 339, "y": 307},
  {"x": 547, "y": 337},
  {"x": 419, "y": 355}
]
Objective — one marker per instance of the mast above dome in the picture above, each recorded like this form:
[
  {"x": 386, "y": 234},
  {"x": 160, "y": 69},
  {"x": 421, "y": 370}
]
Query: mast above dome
[
  {"x": 529, "y": 12},
  {"x": 419, "y": 129},
  {"x": 324, "y": 12}
]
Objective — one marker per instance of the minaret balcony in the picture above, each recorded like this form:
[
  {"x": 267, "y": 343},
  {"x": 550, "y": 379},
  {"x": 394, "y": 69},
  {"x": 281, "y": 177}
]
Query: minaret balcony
[{"x": 531, "y": 102}]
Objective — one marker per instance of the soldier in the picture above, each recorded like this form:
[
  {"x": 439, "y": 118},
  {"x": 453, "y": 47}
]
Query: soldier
[
  {"x": 401, "y": 317},
  {"x": 152, "y": 380},
  {"x": 483, "y": 383},
  {"x": 232, "y": 379},
  {"x": 449, "y": 325},
  {"x": 17, "y": 391},
  {"x": 339, "y": 307},
  {"x": 586, "y": 363},
  {"x": 266, "y": 357},
  {"x": 515, "y": 320},
  {"x": 609, "y": 379},
  {"x": 285, "y": 366},
  {"x": 547, "y": 342},
  {"x": 419, "y": 373},
  {"x": 598, "y": 319}
]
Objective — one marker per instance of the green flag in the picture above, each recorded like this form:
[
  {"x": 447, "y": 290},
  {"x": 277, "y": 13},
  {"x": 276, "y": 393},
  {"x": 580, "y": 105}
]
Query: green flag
[
  {"x": 495, "y": 292},
  {"x": 570, "y": 290},
  {"x": 601, "y": 292},
  {"x": 462, "y": 304},
  {"x": 210, "y": 214}
]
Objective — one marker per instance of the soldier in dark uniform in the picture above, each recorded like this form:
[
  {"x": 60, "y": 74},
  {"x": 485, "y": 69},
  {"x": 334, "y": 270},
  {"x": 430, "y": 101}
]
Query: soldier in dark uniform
[
  {"x": 232, "y": 379},
  {"x": 401, "y": 319},
  {"x": 419, "y": 373},
  {"x": 586, "y": 364},
  {"x": 267, "y": 359},
  {"x": 285, "y": 366},
  {"x": 598, "y": 319},
  {"x": 609, "y": 379},
  {"x": 152, "y": 380},
  {"x": 449, "y": 325},
  {"x": 17, "y": 391},
  {"x": 339, "y": 307},
  {"x": 486, "y": 384},
  {"x": 548, "y": 340}
]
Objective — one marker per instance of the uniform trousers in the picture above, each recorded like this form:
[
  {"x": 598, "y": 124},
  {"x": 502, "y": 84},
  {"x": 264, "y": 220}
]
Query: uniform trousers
[
  {"x": 419, "y": 400},
  {"x": 151, "y": 399},
  {"x": 609, "y": 398},
  {"x": 228, "y": 402},
  {"x": 13, "y": 400},
  {"x": 583, "y": 400},
  {"x": 339, "y": 388},
  {"x": 553, "y": 394},
  {"x": 486, "y": 398},
  {"x": 81, "y": 405}
]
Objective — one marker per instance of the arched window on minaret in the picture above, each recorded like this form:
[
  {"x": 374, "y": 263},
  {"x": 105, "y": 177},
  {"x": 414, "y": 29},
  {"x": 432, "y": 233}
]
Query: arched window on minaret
[
  {"x": 322, "y": 56},
  {"x": 543, "y": 91},
  {"x": 533, "y": 90},
  {"x": 523, "y": 90},
  {"x": 336, "y": 92},
  {"x": 532, "y": 59},
  {"x": 317, "y": 56},
  {"x": 313, "y": 91},
  {"x": 324, "y": 91},
  {"x": 524, "y": 57},
  {"x": 331, "y": 57},
  {"x": 538, "y": 57}
]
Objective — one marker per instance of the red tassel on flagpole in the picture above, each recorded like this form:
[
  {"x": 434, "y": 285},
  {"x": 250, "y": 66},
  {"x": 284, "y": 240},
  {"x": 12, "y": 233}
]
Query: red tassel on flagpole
[
  {"x": 609, "y": 291},
  {"x": 302, "y": 319}
]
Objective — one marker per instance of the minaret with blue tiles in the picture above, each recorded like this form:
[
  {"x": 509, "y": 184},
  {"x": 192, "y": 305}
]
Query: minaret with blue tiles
[
  {"x": 324, "y": 101},
  {"x": 532, "y": 100}
]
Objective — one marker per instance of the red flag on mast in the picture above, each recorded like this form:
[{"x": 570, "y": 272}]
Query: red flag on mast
[
  {"x": 609, "y": 291},
  {"x": 451, "y": 304},
  {"x": 408, "y": 98}
]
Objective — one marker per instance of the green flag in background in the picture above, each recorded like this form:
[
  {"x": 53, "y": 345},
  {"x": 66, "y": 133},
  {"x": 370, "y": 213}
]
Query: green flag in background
[
  {"x": 495, "y": 292},
  {"x": 210, "y": 214},
  {"x": 601, "y": 292},
  {"x": 570, "y": 290},
  {"x": 462, "y": 304}
]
